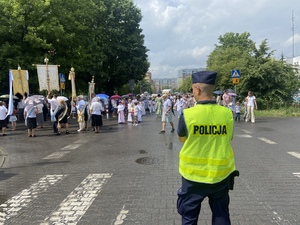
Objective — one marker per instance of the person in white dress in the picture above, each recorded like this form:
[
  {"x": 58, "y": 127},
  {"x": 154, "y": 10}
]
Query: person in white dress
[
  {"x": 140, "y": 113},
  {"x": 149, "y": 102},
  {"x": 153, "y": 105},
  {"x": 143, "y": 107},
  {"x": 179, "y": 104},
  {"x": 130, "y": 110},
  {"x": 135, "y": 113},
  {"x": 250, "y": 102},
  {"x": 121, "y": 118}
]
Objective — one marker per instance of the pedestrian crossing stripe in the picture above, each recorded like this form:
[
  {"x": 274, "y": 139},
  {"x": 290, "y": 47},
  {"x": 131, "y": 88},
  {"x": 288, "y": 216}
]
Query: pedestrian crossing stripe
[
  {"x": 120, "y": 218},
  {"x": 23, "y": 199},
  {"x": 78, "y": 201},
  {"x": 69, "y": 211}
]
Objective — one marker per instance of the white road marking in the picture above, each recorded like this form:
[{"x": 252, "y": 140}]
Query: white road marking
[
  {"x": 71, "y": 147},
  {"x": 267, "y": 141},
  {"x": 246, "y": 131},
  {"x": 296, "y": 154},
  {"x": 276, "y": 217},
  {"x": 56, "y": 155},
  {"x": 121, "y": 216},
  {"x": 78, "y": 201},
  {"x": 244, "y": 135},
  {"x": 296, "y": 174},
  {"x": 12, "y": 206},
  {"x": 81, "y": 141}
]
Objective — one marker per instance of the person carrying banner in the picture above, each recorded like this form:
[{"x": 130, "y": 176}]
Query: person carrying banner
[{"x": 61, "y": 117}]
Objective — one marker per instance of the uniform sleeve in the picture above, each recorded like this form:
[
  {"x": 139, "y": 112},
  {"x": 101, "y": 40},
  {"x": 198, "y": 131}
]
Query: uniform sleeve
[{"x": 182, "y": 130}]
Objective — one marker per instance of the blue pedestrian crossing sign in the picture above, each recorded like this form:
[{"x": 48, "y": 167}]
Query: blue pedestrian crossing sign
[
  {"x": 62, "y": 78},
  {"x": 235, "y": 73}
]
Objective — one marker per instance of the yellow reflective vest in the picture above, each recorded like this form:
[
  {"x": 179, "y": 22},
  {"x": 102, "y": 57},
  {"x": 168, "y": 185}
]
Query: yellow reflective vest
[{"x": 207, "y": 156}]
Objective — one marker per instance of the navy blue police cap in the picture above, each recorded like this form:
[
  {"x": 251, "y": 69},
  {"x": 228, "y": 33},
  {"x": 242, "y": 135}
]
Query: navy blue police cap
[{"x": 206, "y": 77}]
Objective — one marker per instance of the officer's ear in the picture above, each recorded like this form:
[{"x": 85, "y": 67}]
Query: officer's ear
[{"x": 198, "y": 90}]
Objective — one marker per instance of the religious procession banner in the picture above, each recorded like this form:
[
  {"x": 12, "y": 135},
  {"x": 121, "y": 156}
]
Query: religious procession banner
[
  {"x": 19, "y": 81},
  {"x": 48, "y": 77}
]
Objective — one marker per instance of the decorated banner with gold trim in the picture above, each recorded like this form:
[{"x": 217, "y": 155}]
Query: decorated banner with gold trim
[
  {"x": 48, "y": 77},
  {"x": 20, "y": 81}
]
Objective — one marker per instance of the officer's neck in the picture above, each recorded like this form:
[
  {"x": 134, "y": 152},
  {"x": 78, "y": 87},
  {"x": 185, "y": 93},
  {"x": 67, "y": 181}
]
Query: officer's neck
[{"x": 200, "y": 98}]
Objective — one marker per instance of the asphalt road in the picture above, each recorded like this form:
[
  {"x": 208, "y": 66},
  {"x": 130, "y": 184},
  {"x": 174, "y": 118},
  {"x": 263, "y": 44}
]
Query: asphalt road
[{"x": 129, "y": 175}]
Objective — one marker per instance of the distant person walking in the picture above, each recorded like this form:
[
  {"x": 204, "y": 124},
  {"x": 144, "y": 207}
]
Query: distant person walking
[
  {"x": 166, "y": 114},
  {"x": 237, "y": 112},
  {"x": 250, "y": 102},
  {"x": 158, "y": 105},
  {"x": 20, "y": 108},
  {"x": 13, "y": 119},
  {"x": 54, "y": 103},
  {"x": 121, "y": 116},
  {"x": 180, "y": 104},
  {"x": 30, "y": 112},
  {"x": 80, "y": 112},
  {"x": 62, "y": 116},
  {"x": 3, "y": 123},
  {"x": 226, "y": 98},
  {"x": 96, "y": 110}
]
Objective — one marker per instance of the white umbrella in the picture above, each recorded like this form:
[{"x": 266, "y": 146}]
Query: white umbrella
[
  {"x": 62, "y": 98},
  {"x": 34, "y": 100},
  {"x": 7, "y": 97}
]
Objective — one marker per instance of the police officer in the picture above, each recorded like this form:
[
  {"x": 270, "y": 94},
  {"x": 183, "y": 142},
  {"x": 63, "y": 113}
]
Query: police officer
[{"x": 206, "y": 160}]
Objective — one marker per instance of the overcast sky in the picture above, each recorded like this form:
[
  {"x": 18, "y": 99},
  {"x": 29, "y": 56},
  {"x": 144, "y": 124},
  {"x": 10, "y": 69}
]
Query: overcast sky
[{"x": 182, "y": 33}]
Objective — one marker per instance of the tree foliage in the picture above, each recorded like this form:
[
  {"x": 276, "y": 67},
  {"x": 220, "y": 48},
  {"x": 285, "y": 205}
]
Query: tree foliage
[
  {"x": 268, "y": 78},
  {"x": 99, "y": 38}
]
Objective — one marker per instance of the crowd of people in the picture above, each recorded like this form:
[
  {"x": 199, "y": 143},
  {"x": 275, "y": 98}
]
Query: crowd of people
[
  {"x": 248, "y": 105},
  {"x": 128, "y": 110},
  {"x": 206, "y": 160}
]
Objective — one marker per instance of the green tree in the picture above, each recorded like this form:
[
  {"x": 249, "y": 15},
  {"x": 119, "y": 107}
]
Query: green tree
[
  {"x": 268, "y": 78},
  {"x": 186, "y": 85},
  {"x": 100, "y": 38},
  {"x": 234, "y": 52},
  {"x": 125, "y": 54}
]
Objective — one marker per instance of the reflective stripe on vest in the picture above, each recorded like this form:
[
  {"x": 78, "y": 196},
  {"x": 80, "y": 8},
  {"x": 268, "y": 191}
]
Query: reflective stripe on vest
[{"x": 207, "y": 156}]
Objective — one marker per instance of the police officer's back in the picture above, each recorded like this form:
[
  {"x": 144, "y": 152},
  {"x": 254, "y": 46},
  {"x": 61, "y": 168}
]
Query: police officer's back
[{"x": 206, "y": 158}]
